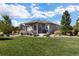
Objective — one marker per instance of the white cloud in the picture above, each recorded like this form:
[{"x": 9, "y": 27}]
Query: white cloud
[
  {"x": 57, "y": 22},
  {"x": 59, "y": 10},
  {"x": 37, "y": 13},
  {"x": 21, "y": 11},
  {"x": 70, "y": 8},
  {"x": 14, "y": 10},
  {"x": 33, "y": 5},
  {"x": 15, "y": 23},
  {"x": 49, "y": 14}
]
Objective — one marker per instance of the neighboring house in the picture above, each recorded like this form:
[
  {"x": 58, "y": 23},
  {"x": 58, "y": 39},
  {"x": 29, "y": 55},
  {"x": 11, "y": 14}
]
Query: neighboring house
[{"x": 39, "y": 26}]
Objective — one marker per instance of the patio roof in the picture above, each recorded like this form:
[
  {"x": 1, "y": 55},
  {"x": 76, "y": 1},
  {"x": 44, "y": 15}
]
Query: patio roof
[{"x": 41, "y": 22}]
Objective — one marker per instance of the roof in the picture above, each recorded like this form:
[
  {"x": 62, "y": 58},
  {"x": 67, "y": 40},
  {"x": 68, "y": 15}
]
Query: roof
[{"x": 41, "y": 21}]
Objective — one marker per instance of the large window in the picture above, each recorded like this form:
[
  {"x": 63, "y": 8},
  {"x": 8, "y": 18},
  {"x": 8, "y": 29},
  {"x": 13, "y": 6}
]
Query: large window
[{"x": 34, "y": 27}]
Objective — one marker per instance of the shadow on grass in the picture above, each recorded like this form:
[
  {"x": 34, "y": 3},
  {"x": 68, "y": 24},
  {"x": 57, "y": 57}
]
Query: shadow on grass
[{"x": 6, "y": 38}]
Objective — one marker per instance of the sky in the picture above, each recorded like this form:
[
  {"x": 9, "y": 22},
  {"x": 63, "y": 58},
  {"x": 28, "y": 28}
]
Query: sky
[{"x": 25, "y": 12}]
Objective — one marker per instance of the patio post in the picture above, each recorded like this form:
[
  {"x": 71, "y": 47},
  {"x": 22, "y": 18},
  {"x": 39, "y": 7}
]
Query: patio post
[{"x": 37, "y": 28}]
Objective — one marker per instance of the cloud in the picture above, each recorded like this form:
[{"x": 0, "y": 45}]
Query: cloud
[
  {"x": 57, "y": 22},
  {"x": 33, "y": 5},
  {"x": 49, "y": 14},
  {"x": 14, "y": 10},
  {"x": 15, "y": 23},
  {"x": 20, "y": 11},
  {"x": 37, "y": 13},
  {"x": 59, "y": 10},
  {"x": 70, "y": 8}
]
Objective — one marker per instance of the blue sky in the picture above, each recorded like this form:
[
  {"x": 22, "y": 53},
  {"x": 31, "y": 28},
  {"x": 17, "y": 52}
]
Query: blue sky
[{"x": 25, "y": 12}]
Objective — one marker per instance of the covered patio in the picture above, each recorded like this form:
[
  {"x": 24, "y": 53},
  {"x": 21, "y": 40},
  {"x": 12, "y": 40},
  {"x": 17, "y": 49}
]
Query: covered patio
[{"x": 39, "y": 26}]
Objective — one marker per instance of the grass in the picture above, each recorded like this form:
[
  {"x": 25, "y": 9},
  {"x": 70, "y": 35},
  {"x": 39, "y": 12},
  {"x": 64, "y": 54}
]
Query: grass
[{"x": 40, "y": 46}]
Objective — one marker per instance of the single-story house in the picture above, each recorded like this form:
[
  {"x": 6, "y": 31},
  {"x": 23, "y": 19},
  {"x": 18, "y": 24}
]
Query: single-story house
[{"x": 40, "y": 26}]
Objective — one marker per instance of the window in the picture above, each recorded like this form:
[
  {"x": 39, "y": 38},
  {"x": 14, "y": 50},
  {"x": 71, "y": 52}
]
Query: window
[{"x": 34, "y": 27}]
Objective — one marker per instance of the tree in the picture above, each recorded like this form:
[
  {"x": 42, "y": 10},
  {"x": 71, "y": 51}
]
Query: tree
[
  {"x": 77, "y": 25},
  {"x": 7, "y": 20},
  {"x": 5, "y": 24},
  {"x": 65, "y": 22}
]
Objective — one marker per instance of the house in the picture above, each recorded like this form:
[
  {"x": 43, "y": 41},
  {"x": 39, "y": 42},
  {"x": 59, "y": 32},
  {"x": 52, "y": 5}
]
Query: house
[{"x": 39, "y": 26}]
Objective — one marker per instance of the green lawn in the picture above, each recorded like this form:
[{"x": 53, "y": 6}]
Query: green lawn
[{"x": 39, "y": 46}]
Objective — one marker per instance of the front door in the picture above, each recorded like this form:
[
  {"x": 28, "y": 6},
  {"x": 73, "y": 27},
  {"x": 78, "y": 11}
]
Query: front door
[
  {"x": 39, "y": 28},
  {"x": 42, "y": 28}
]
